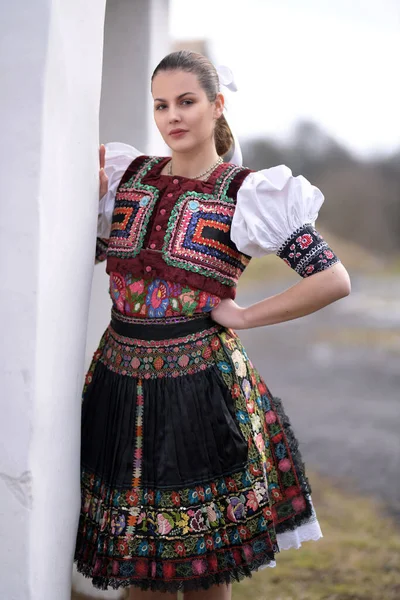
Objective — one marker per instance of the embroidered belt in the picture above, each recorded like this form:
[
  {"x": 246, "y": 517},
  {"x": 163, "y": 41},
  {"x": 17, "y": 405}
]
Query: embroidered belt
[{"x": 160, "y": 329}]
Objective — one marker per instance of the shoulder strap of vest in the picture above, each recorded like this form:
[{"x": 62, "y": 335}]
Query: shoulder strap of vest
[
  {"x": 229, "y": 181},
  {"x": 139, "y": 167}
]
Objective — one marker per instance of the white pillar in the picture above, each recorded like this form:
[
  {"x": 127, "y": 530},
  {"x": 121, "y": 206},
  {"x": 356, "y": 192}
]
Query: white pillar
[
  {"x": 136, "y": 38},
  {"x": 50, "y": 72}
]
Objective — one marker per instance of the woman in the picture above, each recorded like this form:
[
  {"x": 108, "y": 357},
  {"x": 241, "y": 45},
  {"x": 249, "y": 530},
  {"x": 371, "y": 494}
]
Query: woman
[{"x": 191, "y": 476}]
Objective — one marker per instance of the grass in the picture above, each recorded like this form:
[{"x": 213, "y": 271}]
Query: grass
[{"x": 357, "y": 559}]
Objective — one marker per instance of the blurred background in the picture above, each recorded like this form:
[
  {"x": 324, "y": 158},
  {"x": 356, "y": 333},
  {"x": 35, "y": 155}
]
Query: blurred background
[{"x": 318, "y": 91}]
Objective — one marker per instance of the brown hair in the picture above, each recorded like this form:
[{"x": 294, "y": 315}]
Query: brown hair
[{"x": 193, "y": 62}]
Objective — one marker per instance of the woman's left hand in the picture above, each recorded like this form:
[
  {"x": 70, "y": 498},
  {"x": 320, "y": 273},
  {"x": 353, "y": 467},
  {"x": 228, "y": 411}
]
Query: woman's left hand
[{"x": 229, "y": 314}]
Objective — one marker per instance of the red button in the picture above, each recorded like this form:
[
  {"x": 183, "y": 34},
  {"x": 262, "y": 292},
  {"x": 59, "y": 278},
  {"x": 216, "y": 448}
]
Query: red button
[
  {"x": 175, "y": 181},
  {"x": 152, "y": 246},
  {"x": 148, "y": 269},
  {"x": 170, "y": 195},
  {"x": 158, "y": 227},
  {"x": 163, "y": 211}
]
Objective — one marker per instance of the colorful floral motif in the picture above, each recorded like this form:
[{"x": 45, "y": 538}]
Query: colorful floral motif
[
  {"x": 149, "y": 360},
  {"x": 170, "y": 536},
  {"x": 217, "y": 531},
  {"x": 157, "y": 298},
  {"x": 306, "y": 252}
]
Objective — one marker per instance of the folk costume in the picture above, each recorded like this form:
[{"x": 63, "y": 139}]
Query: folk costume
[{"x": 191, "y": 473}]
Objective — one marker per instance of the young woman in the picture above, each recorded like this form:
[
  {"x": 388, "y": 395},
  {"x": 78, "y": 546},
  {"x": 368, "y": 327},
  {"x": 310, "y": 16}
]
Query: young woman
[{"x": 191, "y": 476}]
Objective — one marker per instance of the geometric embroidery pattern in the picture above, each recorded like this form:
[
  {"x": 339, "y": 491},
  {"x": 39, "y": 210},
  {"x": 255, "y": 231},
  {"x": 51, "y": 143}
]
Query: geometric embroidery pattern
[
  {"x": 198, "y": 234},
  {"x": 137, "y": 459},
  {"x": 134, "y": 204}
]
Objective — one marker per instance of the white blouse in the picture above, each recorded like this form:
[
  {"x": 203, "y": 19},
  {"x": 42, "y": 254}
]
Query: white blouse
[{"x": 271, "y": 204}]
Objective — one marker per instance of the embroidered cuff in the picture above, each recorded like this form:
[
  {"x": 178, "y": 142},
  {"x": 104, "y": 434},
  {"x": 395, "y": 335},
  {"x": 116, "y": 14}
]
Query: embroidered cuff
[
  {"x": 101, "y": 250},
  {"x": 306, "y": 252}
]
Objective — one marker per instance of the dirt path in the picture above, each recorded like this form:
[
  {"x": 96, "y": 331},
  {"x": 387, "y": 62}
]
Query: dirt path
[{"x": 338, "y": 374}]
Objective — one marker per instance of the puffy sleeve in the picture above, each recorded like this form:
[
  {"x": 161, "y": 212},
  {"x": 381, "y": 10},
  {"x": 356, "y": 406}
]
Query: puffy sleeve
[
  {"x": 275, "y": 214},
  {"x": 118, "y": 158}
]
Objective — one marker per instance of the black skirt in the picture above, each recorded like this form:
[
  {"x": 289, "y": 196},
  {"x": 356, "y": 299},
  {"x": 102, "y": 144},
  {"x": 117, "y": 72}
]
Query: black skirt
[{"x": 190, "y": 469}]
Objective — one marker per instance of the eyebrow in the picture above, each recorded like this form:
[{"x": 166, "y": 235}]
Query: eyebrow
[{"x": 179, "y": 97}]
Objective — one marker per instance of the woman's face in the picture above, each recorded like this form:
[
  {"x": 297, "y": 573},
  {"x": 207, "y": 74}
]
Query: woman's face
[{"x": 183, "y": 114}]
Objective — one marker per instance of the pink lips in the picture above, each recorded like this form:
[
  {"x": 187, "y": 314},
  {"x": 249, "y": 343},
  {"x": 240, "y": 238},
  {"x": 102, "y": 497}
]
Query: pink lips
[{"x": 177, "y": 132}]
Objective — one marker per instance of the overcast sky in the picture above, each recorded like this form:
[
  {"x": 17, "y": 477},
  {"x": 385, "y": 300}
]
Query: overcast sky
[{"x": 335, "y": 62}]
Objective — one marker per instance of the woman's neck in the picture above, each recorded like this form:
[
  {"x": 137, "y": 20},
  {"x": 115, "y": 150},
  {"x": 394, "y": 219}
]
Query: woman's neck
[{"x": 192, "y": 164}]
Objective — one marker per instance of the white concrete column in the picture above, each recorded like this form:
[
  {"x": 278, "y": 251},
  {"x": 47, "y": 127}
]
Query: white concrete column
[
  {"x": 160, "y": 46},
  {"x": 136, "y": 38},
  {"x": 50, "y": 71}
]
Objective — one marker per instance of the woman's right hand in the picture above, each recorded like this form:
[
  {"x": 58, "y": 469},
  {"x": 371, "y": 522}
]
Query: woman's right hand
[{"x": 103, "y": 179}]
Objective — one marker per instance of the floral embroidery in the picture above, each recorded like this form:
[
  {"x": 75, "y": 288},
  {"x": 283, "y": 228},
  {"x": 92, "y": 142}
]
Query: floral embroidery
[
  {"x": 224, "y": 367},
  {"x": 304, "y": 240},
  {"x": 177, "y": 539},
  {"x": 239, "y": 362},
  {"x": 118, "y": 291},
  {"x": 126, "y": 357},
  {"x": 158, "y": 298},
  {"x": 306, "y": 252},
  {"x": 260, "y": 418},
  {"x": 246, "y": 387}
]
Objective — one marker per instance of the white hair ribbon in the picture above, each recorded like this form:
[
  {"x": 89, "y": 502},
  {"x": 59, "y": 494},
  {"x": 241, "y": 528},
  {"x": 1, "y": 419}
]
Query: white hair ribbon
[{"x": 226, "y": 79}]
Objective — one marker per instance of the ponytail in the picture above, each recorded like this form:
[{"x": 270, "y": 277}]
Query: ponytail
[{"x": 223, "y": 136}]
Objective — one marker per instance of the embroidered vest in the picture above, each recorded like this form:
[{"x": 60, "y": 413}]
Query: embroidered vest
[{"x": 177, "y": 228}]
